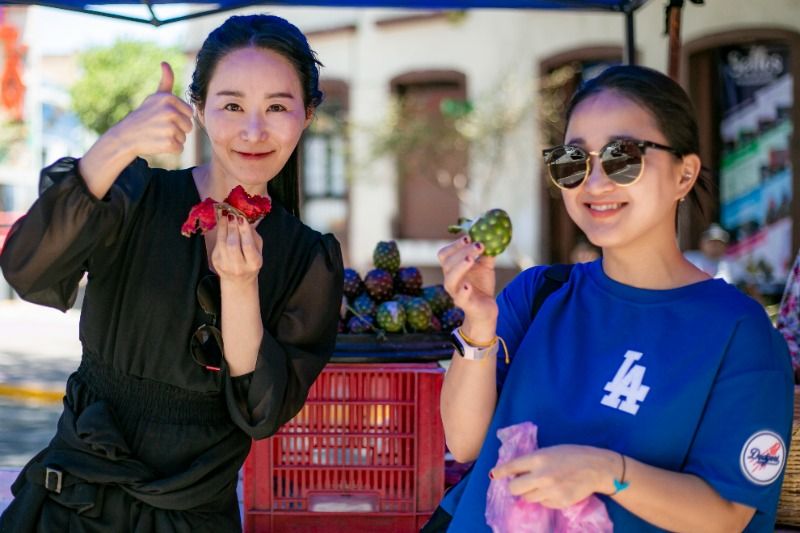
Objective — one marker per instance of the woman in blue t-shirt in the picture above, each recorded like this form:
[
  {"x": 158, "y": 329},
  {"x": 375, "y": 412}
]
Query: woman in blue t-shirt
[{"x": 666, "y": 393}]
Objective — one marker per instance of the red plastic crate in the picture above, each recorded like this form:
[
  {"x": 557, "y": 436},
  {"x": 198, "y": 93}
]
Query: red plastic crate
[{"x": 366, "y": 453}]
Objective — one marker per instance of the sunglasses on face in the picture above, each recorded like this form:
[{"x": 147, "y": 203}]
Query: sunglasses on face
[
  {"x": 622, "y": 160},
  {"x": 205, "y": 344}
]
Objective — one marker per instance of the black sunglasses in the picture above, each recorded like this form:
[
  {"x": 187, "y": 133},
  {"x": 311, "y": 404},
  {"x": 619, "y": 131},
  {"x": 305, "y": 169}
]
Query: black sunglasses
[
  {"x": 205, "y": 344},
  {"x": 622, "y": 160}
]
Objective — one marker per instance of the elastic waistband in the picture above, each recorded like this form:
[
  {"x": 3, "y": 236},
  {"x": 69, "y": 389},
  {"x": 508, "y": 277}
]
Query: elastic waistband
[{"x": 151, "y": 399}]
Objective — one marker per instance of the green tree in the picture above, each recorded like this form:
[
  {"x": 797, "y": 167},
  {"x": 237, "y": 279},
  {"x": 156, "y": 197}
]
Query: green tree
[{"x": 116, "y": 79}]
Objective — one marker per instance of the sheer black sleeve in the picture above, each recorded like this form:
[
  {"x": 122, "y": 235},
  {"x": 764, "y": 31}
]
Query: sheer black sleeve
[
  {"x": 48, "y": 250},
  {"x": 291, "y": 359}
]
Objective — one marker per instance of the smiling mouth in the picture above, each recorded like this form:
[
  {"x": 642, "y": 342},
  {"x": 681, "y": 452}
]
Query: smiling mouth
[
  {"x": 601, "y": 210},
  {"x": 252, "y": 155}
]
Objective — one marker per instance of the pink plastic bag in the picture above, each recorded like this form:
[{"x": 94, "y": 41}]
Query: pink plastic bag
[{"x": 506, "y": 513}]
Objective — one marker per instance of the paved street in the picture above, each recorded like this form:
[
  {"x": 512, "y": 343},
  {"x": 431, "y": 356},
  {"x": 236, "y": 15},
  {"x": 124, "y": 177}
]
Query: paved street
[{"x": 39, "y": 348}]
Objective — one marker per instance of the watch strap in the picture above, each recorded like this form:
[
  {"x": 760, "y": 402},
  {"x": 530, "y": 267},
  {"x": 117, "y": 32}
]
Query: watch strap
[{"x": 470, "y": 351}]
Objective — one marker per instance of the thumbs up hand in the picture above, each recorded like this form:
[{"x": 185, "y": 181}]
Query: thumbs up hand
[
  {"x": 160, "y": 124},
  {"x": 157, "y": 126},
  {"x": 167, "y": 79}
]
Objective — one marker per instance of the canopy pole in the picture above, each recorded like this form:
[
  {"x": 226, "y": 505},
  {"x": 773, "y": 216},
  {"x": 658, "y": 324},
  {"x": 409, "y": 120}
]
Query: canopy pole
[
  {"x": 674, "y": 9},
  {"x": 629, "y": 57}
]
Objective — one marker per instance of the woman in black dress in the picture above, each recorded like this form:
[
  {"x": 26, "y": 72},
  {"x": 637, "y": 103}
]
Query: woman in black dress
[{"x": 154, "y": 429}]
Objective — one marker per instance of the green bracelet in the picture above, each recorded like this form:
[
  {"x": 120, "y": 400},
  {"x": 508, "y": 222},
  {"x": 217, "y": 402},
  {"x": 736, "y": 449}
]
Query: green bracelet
[{"x": 620, "y": 484}]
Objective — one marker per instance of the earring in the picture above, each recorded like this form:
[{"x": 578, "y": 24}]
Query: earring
[{"x": 683, "y": 199}]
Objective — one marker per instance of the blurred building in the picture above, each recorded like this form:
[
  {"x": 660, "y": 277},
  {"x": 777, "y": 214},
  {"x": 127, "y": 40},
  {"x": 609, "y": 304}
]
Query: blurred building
[
  {"x": 18, "y": 141},
  {"x": 36, "y": 123},
  {"x": 432, "y": 116}
]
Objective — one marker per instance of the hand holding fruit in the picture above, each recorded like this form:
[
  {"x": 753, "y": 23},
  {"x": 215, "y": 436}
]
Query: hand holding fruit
[
  {"x": 468, "y": 267},
  {"x": 469, "y": 278},
  {"x": 237, "y": 254}
]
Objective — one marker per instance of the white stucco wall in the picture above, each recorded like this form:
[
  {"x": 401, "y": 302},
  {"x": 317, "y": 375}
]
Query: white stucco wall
[{"x": 488, "y": 46}]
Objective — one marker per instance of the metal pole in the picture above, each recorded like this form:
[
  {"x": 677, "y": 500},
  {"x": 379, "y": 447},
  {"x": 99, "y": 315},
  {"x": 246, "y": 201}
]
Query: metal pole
[
  {"x": 674, "y": 32},
  {"x": 630, "y": 38}
]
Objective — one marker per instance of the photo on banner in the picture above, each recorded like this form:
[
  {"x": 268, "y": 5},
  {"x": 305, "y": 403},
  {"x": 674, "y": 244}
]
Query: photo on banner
[{"x": 755, "y": 171}]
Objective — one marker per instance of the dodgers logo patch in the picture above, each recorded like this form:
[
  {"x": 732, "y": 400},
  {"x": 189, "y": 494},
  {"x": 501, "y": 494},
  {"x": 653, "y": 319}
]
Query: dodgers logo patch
[{"x": 763, "y": 457}]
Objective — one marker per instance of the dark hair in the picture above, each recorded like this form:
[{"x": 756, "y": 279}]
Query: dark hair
[
  {"x": 272, "y": 33},
  {"x": 665, "y": 100}
]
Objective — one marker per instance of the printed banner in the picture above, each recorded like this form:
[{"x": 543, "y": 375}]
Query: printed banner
[{"x": 755, "y": 170}]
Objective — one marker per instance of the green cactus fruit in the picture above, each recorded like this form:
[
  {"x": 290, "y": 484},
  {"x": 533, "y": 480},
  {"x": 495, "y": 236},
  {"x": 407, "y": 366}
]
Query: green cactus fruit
[
  {"x": 391, "y": 317},
  {"x": 452, "y": 318},
  {"x": 492, "y": 229},
  {"x": 386, "y": 256},
  {"x": 438, "y": 298},
  {"x": 418, "y": 314},
  {"x": 364, "y": 306},
  {"x": 408, "y": 280},
  {"x": 379, "y": 284},
  {"x": 353, "y": 285}
]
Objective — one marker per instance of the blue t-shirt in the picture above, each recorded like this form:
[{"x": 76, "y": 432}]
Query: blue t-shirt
[{"x": 693, "y": 379}]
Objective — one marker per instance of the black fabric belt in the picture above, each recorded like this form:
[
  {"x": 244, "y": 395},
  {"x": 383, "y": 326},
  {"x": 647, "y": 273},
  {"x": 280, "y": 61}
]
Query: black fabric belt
[
  {"x": 88, "y": 452},
  {"x": 153, "y": 400}
]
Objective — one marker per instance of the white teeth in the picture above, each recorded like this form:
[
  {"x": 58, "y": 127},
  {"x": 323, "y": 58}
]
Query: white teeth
[{"x": 604, "y": 207}]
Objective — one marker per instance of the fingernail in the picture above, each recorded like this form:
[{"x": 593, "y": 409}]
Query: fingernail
[
  {"x": 478, "y": 246},
  {"x": 491, "y": 474},
  {"x": 466, "y": 287},
  {"x": 466, "y": 240},
  {"x": 230, "y": 218},
  {"x": 241, "y": 220},
  {"x": 467, "y": 259}
]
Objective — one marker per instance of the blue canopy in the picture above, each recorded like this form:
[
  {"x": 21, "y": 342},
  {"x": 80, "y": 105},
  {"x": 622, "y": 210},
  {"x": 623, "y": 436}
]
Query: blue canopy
[
  {"x": 208, "y": 7},
  {"x": 200, "y": 8}
]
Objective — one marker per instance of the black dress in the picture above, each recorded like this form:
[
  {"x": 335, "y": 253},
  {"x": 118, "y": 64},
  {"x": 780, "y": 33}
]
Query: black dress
[{"x": 149, "y": 440}]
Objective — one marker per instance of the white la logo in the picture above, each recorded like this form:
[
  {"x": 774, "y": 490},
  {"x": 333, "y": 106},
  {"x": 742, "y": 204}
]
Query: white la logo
[{"x": 628, "y": 383}]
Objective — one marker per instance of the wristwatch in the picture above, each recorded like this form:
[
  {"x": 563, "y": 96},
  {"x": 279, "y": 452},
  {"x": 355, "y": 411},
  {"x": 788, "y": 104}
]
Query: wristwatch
[{"x": 470, "y": 351}]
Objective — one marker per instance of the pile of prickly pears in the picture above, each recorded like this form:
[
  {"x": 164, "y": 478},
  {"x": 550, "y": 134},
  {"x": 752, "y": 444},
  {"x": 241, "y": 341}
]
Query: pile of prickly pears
[{"x": 391, "y": 298}]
